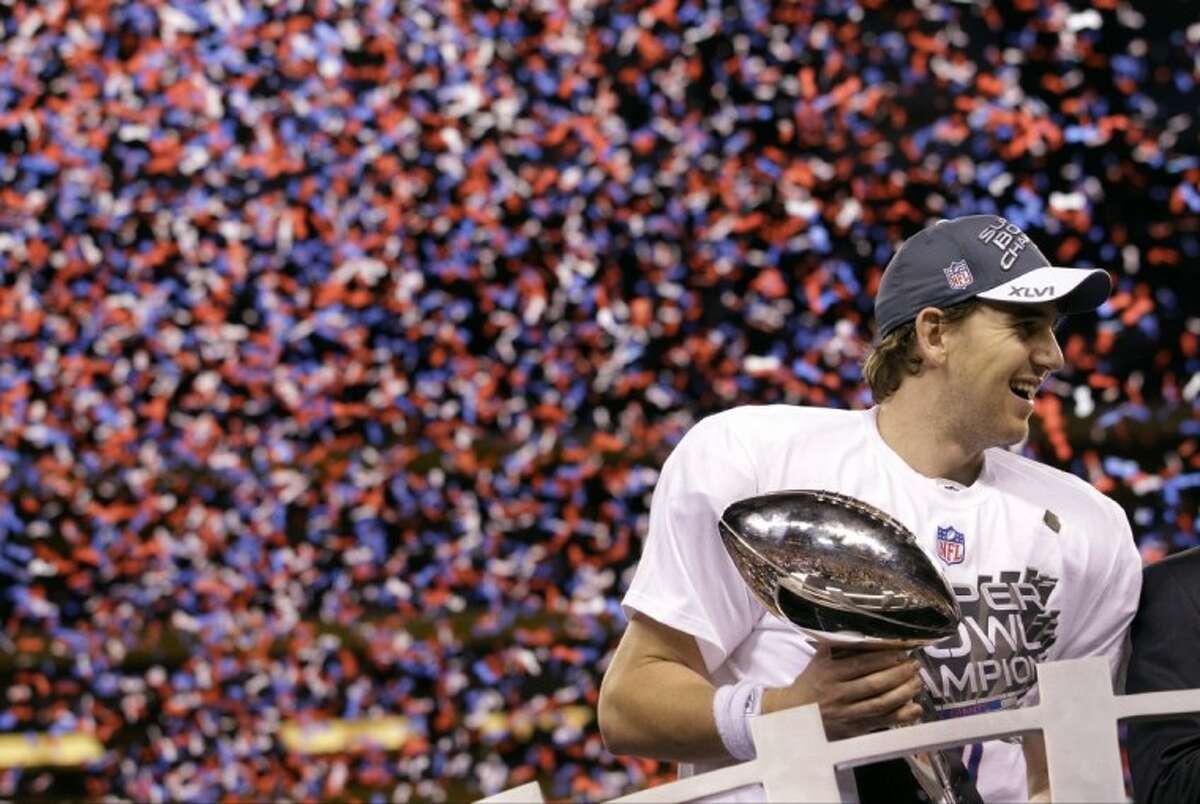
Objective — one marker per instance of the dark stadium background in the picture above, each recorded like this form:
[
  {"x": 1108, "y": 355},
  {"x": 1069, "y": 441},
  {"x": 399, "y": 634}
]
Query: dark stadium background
[{"x": 340, "y": 342}]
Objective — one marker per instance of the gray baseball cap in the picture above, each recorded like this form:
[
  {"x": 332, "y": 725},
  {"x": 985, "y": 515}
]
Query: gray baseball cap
[{"x": 982, "y": 257}]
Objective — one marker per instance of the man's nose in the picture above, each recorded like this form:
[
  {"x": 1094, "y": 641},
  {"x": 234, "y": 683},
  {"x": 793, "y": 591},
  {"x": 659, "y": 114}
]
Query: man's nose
[{"x": 1048, "y": 354}]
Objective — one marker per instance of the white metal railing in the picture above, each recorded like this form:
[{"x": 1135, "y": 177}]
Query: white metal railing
[{"x": 1077, "y": 713}]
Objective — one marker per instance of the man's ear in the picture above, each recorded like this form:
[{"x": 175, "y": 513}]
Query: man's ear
[{"x": 930, "y": 333}]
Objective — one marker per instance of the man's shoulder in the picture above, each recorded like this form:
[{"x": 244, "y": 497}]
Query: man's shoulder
[
  {"x": 771, "y": 419},
  {"x": 1173, "y": 584},
  {"x": 1185, "y": 564},
  {"x": 1061, "y": 490}
]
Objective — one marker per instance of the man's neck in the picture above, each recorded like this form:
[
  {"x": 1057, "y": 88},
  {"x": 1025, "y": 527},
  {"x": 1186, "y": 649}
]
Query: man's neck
[{"x": 913, "y": 434}]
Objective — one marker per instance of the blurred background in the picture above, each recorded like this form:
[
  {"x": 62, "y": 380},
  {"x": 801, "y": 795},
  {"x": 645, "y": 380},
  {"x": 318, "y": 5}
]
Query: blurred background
[{"x": 341, "y": 342}]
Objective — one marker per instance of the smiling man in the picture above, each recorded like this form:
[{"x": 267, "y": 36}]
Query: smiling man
[{"x": 1043, "y": 565}]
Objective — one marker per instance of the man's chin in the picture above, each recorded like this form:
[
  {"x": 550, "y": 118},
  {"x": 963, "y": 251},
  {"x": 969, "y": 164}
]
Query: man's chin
[
  {"x": 1018, "y": 436},
  {"x": 1014, "y": 431}
]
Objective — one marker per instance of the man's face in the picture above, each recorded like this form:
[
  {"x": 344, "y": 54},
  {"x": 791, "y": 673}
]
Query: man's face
[{"x": 997, "y": 357}]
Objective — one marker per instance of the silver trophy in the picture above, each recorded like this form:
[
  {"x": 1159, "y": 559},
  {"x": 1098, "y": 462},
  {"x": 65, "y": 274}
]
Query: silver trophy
[{"x": 845, "y": 573}]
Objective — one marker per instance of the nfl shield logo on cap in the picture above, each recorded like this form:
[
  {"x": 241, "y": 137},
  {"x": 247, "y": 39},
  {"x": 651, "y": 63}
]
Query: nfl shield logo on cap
[
  {"x": 958, "y": 275},
  {"x": 951, "y": 545}
]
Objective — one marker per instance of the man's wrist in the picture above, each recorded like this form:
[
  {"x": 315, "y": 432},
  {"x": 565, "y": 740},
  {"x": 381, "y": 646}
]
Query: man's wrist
[
  {"x": 773, "y": 699},
  {"x": 733, "y": 706},
  {"x": 777, "y": 698}
]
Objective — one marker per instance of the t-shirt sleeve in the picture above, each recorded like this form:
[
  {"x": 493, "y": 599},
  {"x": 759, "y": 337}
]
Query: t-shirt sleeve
[
  {"x": 685, "y": 579},
  {"x": 1108, "y": 591}
]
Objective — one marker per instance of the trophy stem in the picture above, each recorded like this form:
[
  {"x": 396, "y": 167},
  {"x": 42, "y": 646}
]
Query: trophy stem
[{"x": 952, "y": 781}]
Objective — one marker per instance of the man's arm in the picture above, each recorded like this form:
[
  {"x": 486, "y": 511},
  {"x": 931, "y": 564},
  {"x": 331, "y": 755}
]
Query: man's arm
[
  {"x": 656, "y": 699},
  {"x": 1164, "y": 755}
]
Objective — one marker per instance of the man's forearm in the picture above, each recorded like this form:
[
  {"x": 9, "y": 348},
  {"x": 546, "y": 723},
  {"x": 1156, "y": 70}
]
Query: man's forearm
[{"x": 661, "y": 710}]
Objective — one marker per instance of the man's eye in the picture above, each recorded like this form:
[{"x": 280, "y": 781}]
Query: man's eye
[{"x": 1030, "y": 328}]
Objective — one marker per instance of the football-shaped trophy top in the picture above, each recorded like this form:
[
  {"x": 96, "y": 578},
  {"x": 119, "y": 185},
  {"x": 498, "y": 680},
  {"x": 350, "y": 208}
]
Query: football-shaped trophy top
[{"x": 838, "y": 569}]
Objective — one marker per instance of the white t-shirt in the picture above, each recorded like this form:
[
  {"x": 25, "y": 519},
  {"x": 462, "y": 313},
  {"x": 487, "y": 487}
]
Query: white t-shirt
[{"x": 1043, "y": 565}]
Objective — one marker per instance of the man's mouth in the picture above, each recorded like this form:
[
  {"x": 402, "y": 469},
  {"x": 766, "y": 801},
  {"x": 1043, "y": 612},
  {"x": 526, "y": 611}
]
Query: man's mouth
[{"x": 1024, "y": 389}]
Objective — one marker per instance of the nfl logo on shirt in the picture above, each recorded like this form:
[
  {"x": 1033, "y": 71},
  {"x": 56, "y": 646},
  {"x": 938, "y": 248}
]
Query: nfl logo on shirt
[
  {"x": 951, "y": 545},
  {"x": 958, "y": 275}
]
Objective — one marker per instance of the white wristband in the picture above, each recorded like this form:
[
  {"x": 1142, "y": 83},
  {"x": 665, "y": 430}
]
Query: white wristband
[{"x": 733, "y": 706}]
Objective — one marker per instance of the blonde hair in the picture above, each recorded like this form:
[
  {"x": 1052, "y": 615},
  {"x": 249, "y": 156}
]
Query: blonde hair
[{"x": 895, "y": 356}]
